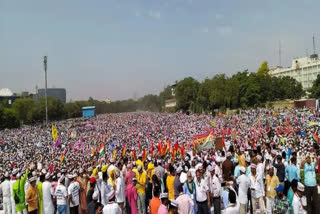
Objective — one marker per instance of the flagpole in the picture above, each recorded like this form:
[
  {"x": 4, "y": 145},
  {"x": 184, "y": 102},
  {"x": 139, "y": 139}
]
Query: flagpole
[{"x": 45, "y": 92}]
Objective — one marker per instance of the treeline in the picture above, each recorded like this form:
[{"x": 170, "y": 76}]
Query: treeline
[{"x": 242, "y": 90}]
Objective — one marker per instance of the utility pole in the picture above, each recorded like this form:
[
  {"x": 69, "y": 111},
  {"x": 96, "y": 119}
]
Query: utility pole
[{"x": 45, "y": 92}]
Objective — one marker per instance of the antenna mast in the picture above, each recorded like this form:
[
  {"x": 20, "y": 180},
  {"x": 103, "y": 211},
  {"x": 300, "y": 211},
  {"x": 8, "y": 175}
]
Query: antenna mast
[{"x": 279, "y": 53}]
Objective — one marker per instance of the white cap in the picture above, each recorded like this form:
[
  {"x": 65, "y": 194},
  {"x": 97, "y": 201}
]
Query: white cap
[
  {"x": 183, "y": 178},
  {"x": 6, "y": 174},
  {"x": 228, "y": 154},
  {"x": 179, "y": 169},
  {"x": 139, "y": 167},
  {"x": 242, "y": 169},
  {"x": 43, "y": 171},
  {"x": 300, "y": 187},
  {"x": 61, "y": 179},
  {"x": 174, "y": 203},
  {"x": 47, "y": 175},
  {"x": 34, "y": 178},
  {"x": 164, "y": 195},
  {"x": 15, "y": 171}
]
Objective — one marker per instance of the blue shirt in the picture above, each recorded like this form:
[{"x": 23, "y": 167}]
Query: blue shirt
[
  {"x": 248, "y": 172},
  {"x": 292, "y": 172},
  {"x": 310, "y": 175},
  {"x": 237, "y": 171}
]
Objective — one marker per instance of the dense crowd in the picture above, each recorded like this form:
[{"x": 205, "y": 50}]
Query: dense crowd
[{"x": 151, "y": 163}]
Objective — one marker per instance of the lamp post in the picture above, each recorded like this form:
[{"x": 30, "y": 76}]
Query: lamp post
[{"x": 45, "y": 92}]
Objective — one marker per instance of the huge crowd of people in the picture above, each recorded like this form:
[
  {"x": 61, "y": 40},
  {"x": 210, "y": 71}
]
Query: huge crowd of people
[{"x": 267, "y": 162}]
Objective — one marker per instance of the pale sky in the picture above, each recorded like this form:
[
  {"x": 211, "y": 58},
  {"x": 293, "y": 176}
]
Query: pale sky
[{"x": 120, "y": 48}]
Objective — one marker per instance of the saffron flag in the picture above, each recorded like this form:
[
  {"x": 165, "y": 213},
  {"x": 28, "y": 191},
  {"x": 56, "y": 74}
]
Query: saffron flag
[
  {"x": 101, "y": 149},
  {"x": 134, "y": 155},
  {"x": 62, "y": 158},
  {"x": 144, "y": 155},
  {"x": 182, "y": 151},
  {"x": 124, "y": 151},
  {"x": 315, "y": 138},
  {"x": 114, "y": 154},
  {"x": 151, "y": 149},
  {"x": 92, "y": 152},
  {"x": 54, "y": 133},
  {"x": 159, "y": 147},
  {"x": 139, "y": 146}
]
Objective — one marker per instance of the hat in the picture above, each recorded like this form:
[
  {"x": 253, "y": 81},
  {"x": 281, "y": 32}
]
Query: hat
[
  {"x": 179, "y": 169},
  {"x": 242, "y": 169},
  {"x": 280, "y": 188},
  {"x": 241, "y": 149},
  {"x": 44, "y": 171},
  {"x": 90, "y": 169},
  {"x": 228, "y": 154},
  {"x": 235, "y": 160},
  {"x": 61, "y": 179},
  {"x": 174, "y": 203},
  {"x": 81, "y": 171},
  {"x": 183, "y": 178},
  {"x": 300, "y": 187},
  {"x": 134, "y": 179},
  {"x": 70, "y": 176},
  {"x": 259, "y": 157},
  {"x": 273, "y": 152},
  {"x": 254, "y": 166},
  {"x": 92, "y": 180},
  {"x": 15, "y": 171},
  {"x": 95, "y": 195},
  {"x": 32, "y": 179},
  {"x": 104, "y": 168},
  {"x": 164, "y": 195},
  {"x": 139, "y": 167},
  {"x": 111, "y": 160},
  {"x": 210, "y": 168},
  {"x": 48, "y": 175},
  {"x": 18, "y": 175}
]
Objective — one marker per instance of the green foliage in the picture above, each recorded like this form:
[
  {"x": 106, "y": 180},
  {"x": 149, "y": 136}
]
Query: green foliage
[
  {"x": 264, "y": 69},
  {"x": 315, "y": 89},
  {"x": 186, "y": 94}
]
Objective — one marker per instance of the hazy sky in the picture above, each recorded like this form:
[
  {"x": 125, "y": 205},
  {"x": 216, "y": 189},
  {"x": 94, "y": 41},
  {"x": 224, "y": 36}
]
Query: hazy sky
[{"x": 121, "y": 48}]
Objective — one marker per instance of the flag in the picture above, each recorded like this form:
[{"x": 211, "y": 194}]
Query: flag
[
  {"x": 253, "y": 144},
  {"x": 182, "y": 151},
  {"x": 134, "y": 155},
  {"x": 151, "y": 149},
  {"x": 101, "y": 149},
  {"x": 124, "y": 151},
  {"x": 159, "y": 147},
  {"x": 54, "y": 133},
  {"x": 92, "y": 152},
  {"x": 229, "y": 130},
  {"x": 144, "y": 154},
  {"x": 58, "y": 142},
  {"x": 139, "y": 146},
  {"x": 315, "y": 138},
  {"x": 147, "y": 142},
  {"x": 62, "y": 158},
  {"x": 223, "y": 144},
  {"x": 114, "y": 154},
  {"x": 203, "y": 141}
]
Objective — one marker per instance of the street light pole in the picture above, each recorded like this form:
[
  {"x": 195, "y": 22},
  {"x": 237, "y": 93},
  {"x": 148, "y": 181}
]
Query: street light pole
[{"x": 45, "y": 92}]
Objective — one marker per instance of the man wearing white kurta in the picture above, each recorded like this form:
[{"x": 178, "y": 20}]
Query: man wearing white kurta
[
  {"x": 6, "y": 194},
  {"x": 47, "y": 193},
  {"x": 244, "y": 185}
]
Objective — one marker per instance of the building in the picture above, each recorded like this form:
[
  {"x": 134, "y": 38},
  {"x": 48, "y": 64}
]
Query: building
[
  {"x": 6, "y": 94},
  {"x": 88, "y": 111},
  {"x": 58, "y": 93},
  {"x": 304, "y": 70}
]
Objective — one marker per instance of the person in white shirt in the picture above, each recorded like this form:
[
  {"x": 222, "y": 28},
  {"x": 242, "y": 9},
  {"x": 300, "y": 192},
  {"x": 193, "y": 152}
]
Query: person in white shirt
[
  {"x": 232, "y": 208},
  {"x": 6, "y": 194},
  {"x": 112, "y": 207},
  {"x": 73, "y": 194},
  {"x": 244, "y": 184},
  {"x": 61, "y": 196},
  {"x": 299, "y": 201},
  {"x": 256, "y": 186},
  {"x": 106, "y": 190},
  {"x": 120, "y": 190},
  {"x": 202, "y": 193},
  {"x": 215, "y": 190},
  {"x": 47, "y": 193}
]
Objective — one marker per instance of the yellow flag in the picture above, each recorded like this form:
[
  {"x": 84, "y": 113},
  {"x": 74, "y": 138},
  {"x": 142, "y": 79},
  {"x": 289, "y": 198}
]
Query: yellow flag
[
  {"x": 54, "y": 133},
  {"x": 114, "y": 154}
]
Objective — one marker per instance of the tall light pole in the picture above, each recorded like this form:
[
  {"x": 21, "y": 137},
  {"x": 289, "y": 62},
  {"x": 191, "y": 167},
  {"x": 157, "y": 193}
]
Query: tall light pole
[{"x": 45, "y": 91}]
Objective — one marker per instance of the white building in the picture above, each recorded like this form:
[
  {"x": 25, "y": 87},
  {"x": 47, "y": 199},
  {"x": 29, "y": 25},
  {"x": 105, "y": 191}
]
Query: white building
[{"x": 304, "y": 70}]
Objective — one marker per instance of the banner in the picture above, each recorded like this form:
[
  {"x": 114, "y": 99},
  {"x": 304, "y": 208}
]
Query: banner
[{"x": 204, "y": 141}]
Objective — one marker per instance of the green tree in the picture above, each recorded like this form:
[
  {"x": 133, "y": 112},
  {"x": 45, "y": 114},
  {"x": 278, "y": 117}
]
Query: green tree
[
  {"x": 315, "y": 89},
  {"x": 24, "y": 109},
  {"x": 264, "y": 69},
  {"x": 186, "y": 93},
  {"x": 166, "y": 94}
]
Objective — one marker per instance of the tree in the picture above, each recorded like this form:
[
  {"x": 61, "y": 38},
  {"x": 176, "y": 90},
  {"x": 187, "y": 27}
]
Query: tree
[
  {"x": 264, "y": 69},
  {"x": 186, "y": 93},
  {"x": 24, "y": 109},
  {"x": 315, "y": 89},
  {"x": 166, "y": 94}
]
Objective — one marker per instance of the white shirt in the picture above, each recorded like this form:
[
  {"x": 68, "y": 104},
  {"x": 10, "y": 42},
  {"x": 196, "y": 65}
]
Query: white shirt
[
  {"x": 218, "y": 172},
  {"x": 244, "y": 185},
  {"x": 215, "y": 186},
  {"x": 201, "y": 190},
  {"x": 297, "y": 206},
  {"x": 61, "y": 194},
  {"x": 257, "y": 185},
  {"x": 105, "y": 191},
  {"x": 121, "y": 190},
  {"x": 5, "y": 189},
  {"x": 47, "y": 192},
  {"x": 112, "y": 208},
  {"x": 73, "y": 190},
  {"x": 232, "y": 209}
]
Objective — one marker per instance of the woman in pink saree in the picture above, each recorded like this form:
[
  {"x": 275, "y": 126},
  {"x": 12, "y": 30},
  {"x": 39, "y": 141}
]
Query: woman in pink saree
[{"x": 131, "y": 195}]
